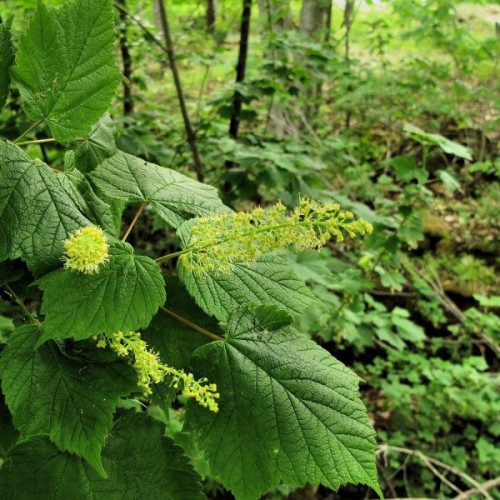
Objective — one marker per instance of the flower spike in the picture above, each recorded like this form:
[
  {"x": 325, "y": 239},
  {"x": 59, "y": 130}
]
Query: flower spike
[{"x": 220, "y": 241}]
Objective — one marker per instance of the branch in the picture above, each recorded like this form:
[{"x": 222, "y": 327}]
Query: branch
[
  {"x": 488, "y": 485},
  {"x": 430, "y": 462}
]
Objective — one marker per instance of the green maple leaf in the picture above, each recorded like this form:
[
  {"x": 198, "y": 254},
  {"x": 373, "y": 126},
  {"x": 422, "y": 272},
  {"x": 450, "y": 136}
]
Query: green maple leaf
[
  {"x": 65, "y": 68},
  {"x": 173, "y": 196},
  {"x": 6, "y": 60},
  {"x": 141, "y": 463},
  {"x": 269, "y": 280},
  {"x": 36, "y": 212},
  {"x": 70, "y": 400},
  {"x": 289, "y": 411},
  {"x": 123, "y": 296}
]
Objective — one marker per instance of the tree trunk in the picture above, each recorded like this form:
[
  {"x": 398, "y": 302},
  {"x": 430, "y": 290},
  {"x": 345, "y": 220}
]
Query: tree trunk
[
  {"x": 276, "y": 15},
  {"x": 312, "y": 15},
  {"x": 241, "y": 67},
  {"x": 191, "y": 136},
  {"x": 315, "y": 19},
  {"x": 211, "y": 15}
]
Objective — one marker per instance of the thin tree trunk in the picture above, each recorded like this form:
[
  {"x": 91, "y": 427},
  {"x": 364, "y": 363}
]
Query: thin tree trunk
[
  {"x": 211, "y": 15},
  {"x": 191, "y": 137},
  {"x": 234, "y": 124},
  {"x": 313, "y": 18},
  {"x": 128, "y": 102},
  {"x": 347, "y": 23}
]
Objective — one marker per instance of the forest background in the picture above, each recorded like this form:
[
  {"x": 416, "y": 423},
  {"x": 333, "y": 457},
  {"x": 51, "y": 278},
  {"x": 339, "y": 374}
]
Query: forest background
[{"x": 391, "y": 109}]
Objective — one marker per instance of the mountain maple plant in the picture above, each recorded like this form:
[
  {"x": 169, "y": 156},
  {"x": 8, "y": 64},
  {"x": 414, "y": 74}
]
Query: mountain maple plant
[{"x": 265, "y": 404}]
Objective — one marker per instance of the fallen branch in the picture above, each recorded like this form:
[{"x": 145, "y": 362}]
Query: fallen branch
[{"x": 432, "y": 462}]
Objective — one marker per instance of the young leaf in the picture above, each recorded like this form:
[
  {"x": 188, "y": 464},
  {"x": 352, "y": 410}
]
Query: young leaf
[
  {"x": 173, "y": 196},
  {"x": 269, "y": 280},
  {"x": 123, "y": 296},
  {"x": 36, "y": 212},
  {"x": 65, "y": 67},
  {"x": 288, "y": 410},
  {"x": 141, "y": 463},
  {"x": 6, "y": 60},
  {"x": 70, "y": 400}
]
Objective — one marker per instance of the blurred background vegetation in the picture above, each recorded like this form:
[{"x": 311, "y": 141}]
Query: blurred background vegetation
[{"x": 389, "y": 107}]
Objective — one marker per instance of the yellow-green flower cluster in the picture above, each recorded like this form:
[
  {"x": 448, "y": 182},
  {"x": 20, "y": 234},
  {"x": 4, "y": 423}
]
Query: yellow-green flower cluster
[
  {"x": 86, "y": 250},
  {"x": 219, "y": 241},
  {"x": 151, "y": 370}
]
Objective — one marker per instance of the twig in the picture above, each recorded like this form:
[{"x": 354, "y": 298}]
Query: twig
[
  {"x": 134, "y": 220},
  {"x": 488, "y": 485},
  {"x": 432, "y": 461},
  {"x": 448, "y": 304},
  {"x": 191, "y": 137},
  {"x": 147, "y": 32},
  {"x": 186, "y": 322}
]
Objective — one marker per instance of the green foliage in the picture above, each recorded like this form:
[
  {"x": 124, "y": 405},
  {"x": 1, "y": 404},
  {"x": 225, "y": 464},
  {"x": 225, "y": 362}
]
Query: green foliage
[
  {"x": 269, "y": 280},
  {"x": 96, "y": 332},
  {"x": 284, "y": 409},
  {"x": 36, "y": 212},
  {"x": 140, "y": 460},
  {"x": 173, "y": 196},
  {"x": 74, "y": 85},
  {"x": 48, "y": 393},
  {"x": 124, "y": 295}
]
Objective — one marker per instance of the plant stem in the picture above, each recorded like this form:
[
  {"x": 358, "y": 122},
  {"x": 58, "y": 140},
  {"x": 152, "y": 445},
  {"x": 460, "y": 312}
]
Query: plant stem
[
  {"x": 22, "y": 306},
  {"x": 134, "y": 220},
  {"x": 36, "y": 141},
  {"x": 186, "y": 322},
  {"x": 28, "y": 130}
]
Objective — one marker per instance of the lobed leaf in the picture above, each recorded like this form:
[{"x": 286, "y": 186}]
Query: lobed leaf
[
  {"x": 173, "y": 196},
  {"x": 65, "y": 68},
  {"x": 269, "y": 280},
  {"x": 123, "y": 296},
  {"x": 288, "y": 411},
  {"x": 70, "y": 400},
  {"x": 141, "y": 463},
  {"x": 36, "y": 212}
]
